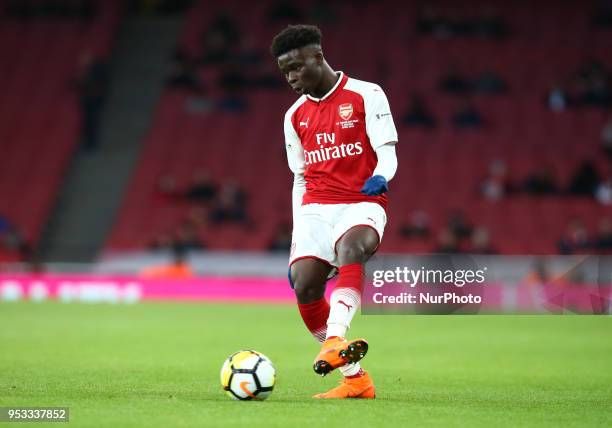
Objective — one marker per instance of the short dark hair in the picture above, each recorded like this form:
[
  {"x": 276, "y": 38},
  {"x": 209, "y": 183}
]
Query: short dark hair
[{"x": 295, "y": 37}]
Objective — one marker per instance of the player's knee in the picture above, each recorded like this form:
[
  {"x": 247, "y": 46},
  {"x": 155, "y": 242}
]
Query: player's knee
[
  {"x": 356, "y": 252},
  {"x": 307, "y": 289}
]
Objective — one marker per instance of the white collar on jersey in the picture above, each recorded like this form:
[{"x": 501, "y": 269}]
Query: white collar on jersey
[{"x": 331, "y": 91}]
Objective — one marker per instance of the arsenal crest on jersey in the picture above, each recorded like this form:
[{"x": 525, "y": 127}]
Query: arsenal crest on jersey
[{"x": 345, "y": 111}]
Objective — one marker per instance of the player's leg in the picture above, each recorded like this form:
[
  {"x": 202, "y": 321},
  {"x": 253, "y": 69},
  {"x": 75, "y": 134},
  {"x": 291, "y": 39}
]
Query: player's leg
[
  {"x": 358, "y": 236},
  {"x": 346, "y": 298},
  {"x": 354, "y": 248},
  {"x": 308, "y": 277},
  {"x": 310, "y": 263}
]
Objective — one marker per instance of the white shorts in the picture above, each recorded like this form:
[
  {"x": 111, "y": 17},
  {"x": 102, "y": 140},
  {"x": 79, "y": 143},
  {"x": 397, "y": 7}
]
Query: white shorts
[{"x": 319, "y": 227}]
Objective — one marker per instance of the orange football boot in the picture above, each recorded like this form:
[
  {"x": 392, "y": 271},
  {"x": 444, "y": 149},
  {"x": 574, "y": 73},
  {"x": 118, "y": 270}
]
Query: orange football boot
[
  {"x": 336, "y": 352},
  {"x": 357, "y": 387}
]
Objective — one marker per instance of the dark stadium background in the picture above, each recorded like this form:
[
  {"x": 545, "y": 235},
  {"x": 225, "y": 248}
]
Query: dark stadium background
[{"x": 145, "y": 137}]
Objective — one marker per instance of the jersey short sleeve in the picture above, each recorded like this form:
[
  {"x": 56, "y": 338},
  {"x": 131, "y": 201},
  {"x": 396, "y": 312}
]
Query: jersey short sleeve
[
  {"x": 379, "y": 121},
  {"x": 293, "y": 146}
]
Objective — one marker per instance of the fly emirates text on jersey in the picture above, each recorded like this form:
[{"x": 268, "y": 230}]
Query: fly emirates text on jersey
[{"x": 328, "y": 150}]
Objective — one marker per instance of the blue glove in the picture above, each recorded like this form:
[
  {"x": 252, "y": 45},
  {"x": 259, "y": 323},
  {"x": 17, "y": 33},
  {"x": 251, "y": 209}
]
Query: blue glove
[{"x": 375, "y": 186}]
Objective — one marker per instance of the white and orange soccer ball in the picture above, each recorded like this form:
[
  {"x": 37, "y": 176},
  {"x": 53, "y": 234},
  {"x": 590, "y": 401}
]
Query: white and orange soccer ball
[{"x": 248, "y": 375}]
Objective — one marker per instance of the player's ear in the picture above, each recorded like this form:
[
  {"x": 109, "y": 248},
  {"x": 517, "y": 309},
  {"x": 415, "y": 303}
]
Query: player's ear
[{"x": 319, "y": 57}]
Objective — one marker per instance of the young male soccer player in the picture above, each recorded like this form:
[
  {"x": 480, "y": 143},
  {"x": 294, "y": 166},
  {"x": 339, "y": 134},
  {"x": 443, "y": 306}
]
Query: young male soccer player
[{"x": 340, "y": 141}]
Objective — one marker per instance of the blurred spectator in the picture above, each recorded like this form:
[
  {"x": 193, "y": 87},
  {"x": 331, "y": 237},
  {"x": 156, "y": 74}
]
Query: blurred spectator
[
  {"x": 590, "y": 87},
  {"x": 233, "y": 81},
  {"x": 447, "y": 242},
  {"x": 453, "y": 82},
  {"x": 418, "y": 113},
  {"x": 230, "y": 204},
  {"x": 202, "y": 188},
  {"x": 198, "y": 216},
  {"x": 481, "y": 242},
  {"x": 285, "y": 11},
  {"x": 556, "y": 99},
  {"x": 467, "y": 116},
  {"x": 93, "y": 86},
  {"x": 5, "y": 224},
  {"x": 178, "y": 269},
  {"x": 261, "y": 73},
  {"x": 199, "y": 103},
  {"x": 459, "y": 225},
  {"x": 585, "y": 180},
  {"x": 574, "y": 239},
  {"x": 183, "y": 74},
  {"x": 598, "y": 93},
  {"x": 589, "y": 69},
  {"x": 603, "y": 239},
  {"x": 187, "y": 238},
  {"x": 12, "y": 239},
  {"x": 282, "y": 239},
  {"x": 541, "y": 182},
  {"x": 430, "y": 21},
  {"x": 603, "y": 192},
  {"x": 162, "y": 241},
  {"x": 593, "y": 84},
  {"x": 495, "y": 186},
  {"x": 233, "y": 102},
  {"x": 539, "y": 274},
  {"x": 219, "y": 40},
  {"x": 489, "y": 83},
  {"x": 418, "y": 225},
  {"x": 606, "y": 138},
  {"x": 184, "y": 239}
]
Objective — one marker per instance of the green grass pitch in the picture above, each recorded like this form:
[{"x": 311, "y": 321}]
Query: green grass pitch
[{"x": 157, "y": 365}]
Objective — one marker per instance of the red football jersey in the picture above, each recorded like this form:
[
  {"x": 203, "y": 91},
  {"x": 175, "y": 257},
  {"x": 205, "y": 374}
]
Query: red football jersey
[{"x": 332, "y": 140}]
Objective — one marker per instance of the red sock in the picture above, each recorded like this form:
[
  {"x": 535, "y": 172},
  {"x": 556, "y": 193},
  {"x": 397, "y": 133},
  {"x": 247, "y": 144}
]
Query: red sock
[
  {"x": 315, "y": 316},
  {"x": 351, "y": 276}
]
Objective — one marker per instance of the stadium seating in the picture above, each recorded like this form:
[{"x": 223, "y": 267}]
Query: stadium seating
[
  {"x": 439, "y": 170},
  {"x": 39, "y": 122}
]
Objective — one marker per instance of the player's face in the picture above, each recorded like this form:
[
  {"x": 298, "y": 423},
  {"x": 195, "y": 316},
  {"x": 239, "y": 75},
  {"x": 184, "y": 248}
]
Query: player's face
[{"x": 302, "y": 69}]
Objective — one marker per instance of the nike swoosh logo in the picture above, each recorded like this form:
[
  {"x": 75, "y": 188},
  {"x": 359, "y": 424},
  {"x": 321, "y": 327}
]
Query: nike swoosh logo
[{"x": 246, "y": 390}]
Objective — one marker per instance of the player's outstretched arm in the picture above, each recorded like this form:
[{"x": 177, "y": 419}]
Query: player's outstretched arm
[{"x": 384, "y": 171}]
